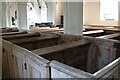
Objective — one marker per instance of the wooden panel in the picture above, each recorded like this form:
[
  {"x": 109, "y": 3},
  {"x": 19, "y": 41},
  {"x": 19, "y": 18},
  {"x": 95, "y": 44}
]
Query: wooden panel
[
  {"x": 5, "y": 69},
  {"x": 8, "y": 30},
  {"x": 59, "y": 70},
  {"x": 109, "y": 28},
  {"x": 12, "y": 61},
  {"x": 109, "y": 71},
  {"x": 99, "y": 55},
  {"x": 28, "y": 45},
  {"x": 58, "y": 74},
  {"x": 12, "y": 33},
  {"x": 110, "y": 36},
  {"x": 35, "y": 70},
  {"x": 35, "y": 42},
  {"x": 7, "y": 61},
  {"x": 21, "y": 36},
  {"x": 21, "y": 63},
  {"x": 19, "y": 60},
  {"x": 46, "y": 43},
  {"x": 101, "y": 52},
  {"x": 73, "y": 54}
]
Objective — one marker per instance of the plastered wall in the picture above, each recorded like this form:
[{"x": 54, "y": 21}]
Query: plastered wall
[
  {"x": 59, "y": 11},
  {"x": 92, "y": 15}
]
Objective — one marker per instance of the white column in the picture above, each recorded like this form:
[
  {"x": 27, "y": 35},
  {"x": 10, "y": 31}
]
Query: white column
[
  {"x": 1, "y": 15},
  {"x": 73, "y": 18},
  {"x": 8, "y": 17},
  {"x": 119, "y": 13},
  {"x": 37, "y": 12},
  {"x": 51, "y": 12},
  {"x": 4, "y": 6},
  {"x": 22, "y": 16}
]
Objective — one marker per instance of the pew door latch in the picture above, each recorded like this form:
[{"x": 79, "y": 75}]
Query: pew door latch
[{"x": 25, "y": 66}]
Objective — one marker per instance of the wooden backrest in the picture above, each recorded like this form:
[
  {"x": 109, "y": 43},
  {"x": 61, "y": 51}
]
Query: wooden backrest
[
  {"x": 21, "y": 36},
  {"x": 12, "y": 33}
]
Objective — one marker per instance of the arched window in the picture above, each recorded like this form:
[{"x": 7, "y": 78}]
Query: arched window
[
  {"x": 30, "y": 12},
  {"x": 38, "y": 11},
  {"x": 109, "y": 9},
  {"x": 43, "y": 11}
]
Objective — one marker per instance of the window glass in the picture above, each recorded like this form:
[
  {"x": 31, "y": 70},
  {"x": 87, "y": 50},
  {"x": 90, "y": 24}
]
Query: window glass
[{"x": 109, "y": 9}]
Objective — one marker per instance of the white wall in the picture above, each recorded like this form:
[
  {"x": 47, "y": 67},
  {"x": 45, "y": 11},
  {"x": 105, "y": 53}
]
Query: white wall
[
  {"x": 4, "y": 15},
  {"x": 92, "y": 15},
  {"x": 51, "y": 12},
  {"x": 59, "y": 11},
  {"x": 55, "y": 10},
  {"x": 13, "y": 7},
  {"x": 0, "y": 14},
  {"x": 119, "y": 13},
  {"x": 22, "y": 16},
  {"x": 8, "y": 16},
  {"x": 37, "y": 13}
]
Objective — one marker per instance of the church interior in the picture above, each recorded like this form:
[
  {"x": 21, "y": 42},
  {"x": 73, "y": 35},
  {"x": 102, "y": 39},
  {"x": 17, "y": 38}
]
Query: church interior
[{"x": 53, "y": 39}]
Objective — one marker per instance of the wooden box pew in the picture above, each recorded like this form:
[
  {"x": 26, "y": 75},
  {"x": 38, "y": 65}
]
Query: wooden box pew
[
  {"x": 83, "y": 59},
  {"x": 19, "y": 36},
  {"x": 44, "y": 40},
  {"x": 115, "y": 36},
  {"x": 85, "y": 30},
  {"x": 112, "y": 29},
  {"x": 95, "y": 33},
  {"x": 33, "y": 41},
  {"x": 13, "y": 33},
  {"x": 18, "y": 62},
  {"x": 5, "y": 30},
  {"x": 75, "y": 51},
  {"x": 47, "y": 30},
  {"x": 57, "y": 32}
]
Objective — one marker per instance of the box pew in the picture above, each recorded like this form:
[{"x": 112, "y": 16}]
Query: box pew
[
  {"x": 102, "y": 27},
  {"x": 33, "y": 41},
  {"x": 44, "y": 40},
  {"x": 13, "y": 33},
  {"x": 85, "y": 30},
  {"x": 73, "y": 57},
  {"x": 98, "y": 58},
  {"x": 5, "y": 30},
  {"x": 115, "y": 36},
  {"x": 18, "y": 62},
  {"x": 21, "y": 36},
  {"x": 96, "y": 33},
  {"x": 21, "y": 63}
]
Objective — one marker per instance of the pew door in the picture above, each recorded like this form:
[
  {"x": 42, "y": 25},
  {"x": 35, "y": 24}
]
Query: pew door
[
  {"x": 7, "y": 66},
  {"x": 19, "y": 61},
  {"x": 35, "y": 69}
]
